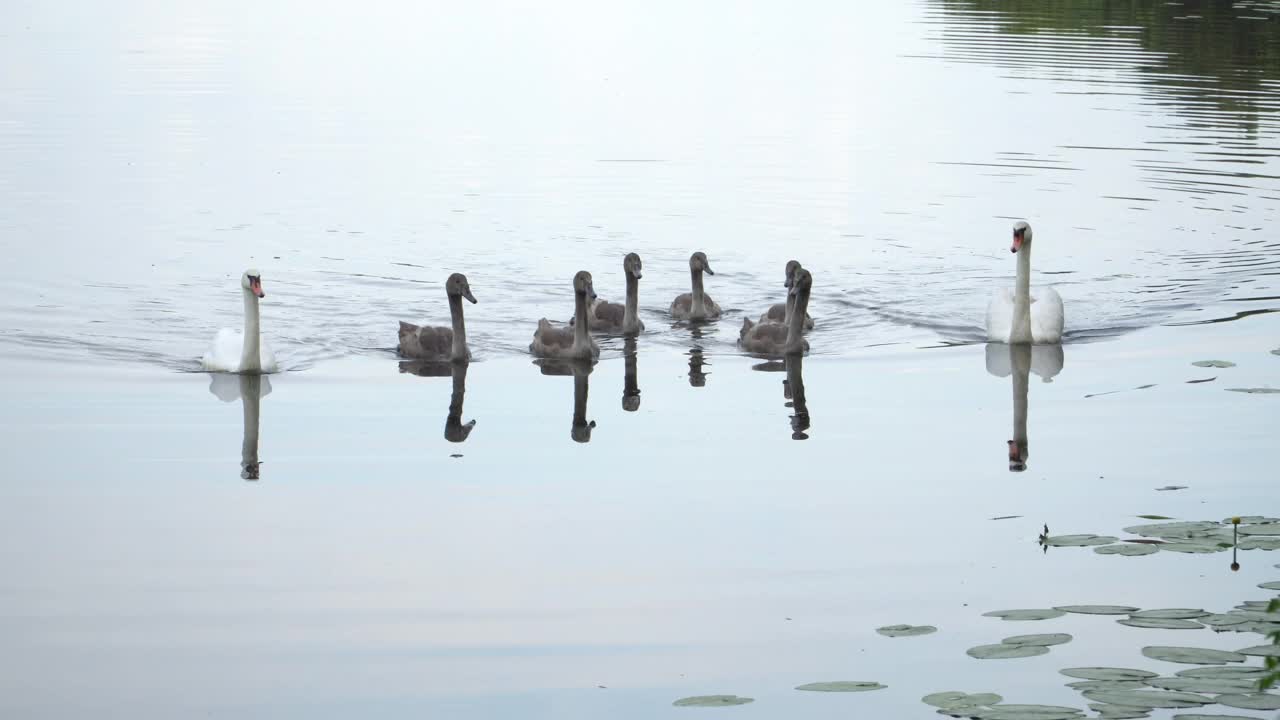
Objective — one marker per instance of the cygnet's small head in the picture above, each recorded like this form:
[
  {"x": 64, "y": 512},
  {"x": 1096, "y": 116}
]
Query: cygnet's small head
[
  {"x": 699, "y": 263},
  {"x": 252, "y": 281},
  {"x": 792, "y": 267},
  {"x": 631, "y": 403},
  {"x": 457, "y": 285},
  {"x": 1021, "y": 235},
  {"x": 802, "y": 282},
  {"x": 581, "y": 432},
  {"x": 583, "y": 286},
  {"x": 631, "y": 265}
]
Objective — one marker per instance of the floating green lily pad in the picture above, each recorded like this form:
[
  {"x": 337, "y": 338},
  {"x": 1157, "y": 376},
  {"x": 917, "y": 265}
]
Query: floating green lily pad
[
  {"x": 1097, "y": 609},
  {"x": 1175, "y": 530},
  {"x": 842, "y": 686},
  {"x": 955, "y": 700},
  {"x": 1118, "y": 712},
  {"x": 1078, "y": 540},
  {"x": 1191, "y": 656},
  {"x": 1219, "y": 671},
  {"x": 1260, "y": 543},
  {"x": 712, "y": 701},
  {"x": 1030, "y": 712},
  {"x": 1214, "y": 363},
  {"x": 1000, "y": 651},
  {"x": 1210, "y": 686},
  {"x": 1023, "y": 615},
  {"x": 1267, "y": 529},
  {"x": 1161, "y": 623},
  {"x": 1170, "y": 613},
  {"x": 1148, "y": 698},
  {"x": 1250, "y": 701},
  {"x": 1107, "y": 673},
  {"x": 1251, "y": 520},
  {"x": 1276, "y": 351},
  {"x": 1197, "y": 548},
  {"x": 1255, "y": 391},
  {"x": 1127, "y": 550},
  {"x": 1043, "y": 640},
  {"x": 1083, "y": 685},
  {"x": 1268, "y": 650},
  {"x": 906, "y": 630},
  {"x": 1273, "y": 585},
  {"x": 1218, "y": 620},
  {"x": 1198, "y": 716}
]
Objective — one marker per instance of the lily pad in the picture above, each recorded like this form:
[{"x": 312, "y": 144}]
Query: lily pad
[
  {"x": 1174, "y": 530},
  {"x": 1097, "y": 609},
  {"x": 1000, "y": 651},
  {"x": 1148, "y": 698},
  {"x": 1023, "y": 615},
  {"x": 1127, "y": 550},
  {"x": 1191, "y": 656},
  {"x": 1198, "y": 716},
  {"x": 1268, "y": 650},
  {"x": 1170, "y": 613},
  {"x": 842, "y": 686},
  {"x": 1078, "y": 540},
  {"x": 1268, "y": 529},
  {"x": 1118, "y": 712},
  {"x": 1260, "y": 543},
  {"x": 1218, "y": 620},
  {"x": 1252, "y": 520},
  {"x": 1214, "y": 363},
  {"x": 955, "y": 700},
  {"x": 1154, "y": 517},
  {"x": 1197, "y": 548},
  {"x": 1030, "y": 712},
  {"x": 1250, "y": 701},
  {"x": 1273, "y": 585},
  {"x": 1107, "y": 673},
  {"x": 712, "y": 701},
  {"x": 1255, "y": 391},
  {"x": 1043, "y": 640},
  {"x": 1229, "y": 671},
  {"x": 1083, "y": 685},
  {"x": 1161, "y": 623},
  {"x": 906, "y": 630},
  {"x": 1210, "y": 686}
]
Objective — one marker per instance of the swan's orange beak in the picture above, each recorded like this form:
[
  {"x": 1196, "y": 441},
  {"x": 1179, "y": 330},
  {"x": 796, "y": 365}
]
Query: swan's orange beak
[
  {"x": 255, "y": 285},
  {"x": 1017, "y": 242}
]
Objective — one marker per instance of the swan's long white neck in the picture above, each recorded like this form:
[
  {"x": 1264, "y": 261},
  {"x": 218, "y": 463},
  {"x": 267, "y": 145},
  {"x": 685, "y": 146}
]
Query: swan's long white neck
[
  {"x": 581, "y": 337},
  {"x": 795, "y": 323},
  {"x": 251, "y": 355},
  {"x": 459, "y": 349},
  {"x": 697, "y": 304},
  {"x": 1021, "y": 381},
  {"x": 1021, "y": 329},
  {"x": 631, "y": 313}
]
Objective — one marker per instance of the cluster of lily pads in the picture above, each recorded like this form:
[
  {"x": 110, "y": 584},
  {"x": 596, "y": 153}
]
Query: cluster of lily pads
[{"x": 1200, "y": 536}]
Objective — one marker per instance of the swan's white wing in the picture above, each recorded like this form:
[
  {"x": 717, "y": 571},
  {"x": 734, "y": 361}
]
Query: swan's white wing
[
  {"x": 998, "y": 360},
  {"x": 268, "y": 357},
  {"x": 224, "y": 387},
  {"x": 1046, "y": 316},
  {"x": 1046, "y": 360},
  {"x": 224, "y": 354},
  {"x": 1000, "y": 316}
]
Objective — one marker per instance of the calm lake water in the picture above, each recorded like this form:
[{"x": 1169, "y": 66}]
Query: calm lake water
[{"x": 339, "y": 540}]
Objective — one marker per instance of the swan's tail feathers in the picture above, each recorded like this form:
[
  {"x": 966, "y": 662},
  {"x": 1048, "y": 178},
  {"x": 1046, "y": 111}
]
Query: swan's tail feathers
[
  {"x": 746, "y": 327},
  {"x": 544, "y": 324}
]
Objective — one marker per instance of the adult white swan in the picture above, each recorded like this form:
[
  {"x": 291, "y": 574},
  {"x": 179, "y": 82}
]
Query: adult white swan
[
  {"x": 441, "y": 343},
  {"x": 243, "y": 352},
  {"x": 1021, "y": 316}
]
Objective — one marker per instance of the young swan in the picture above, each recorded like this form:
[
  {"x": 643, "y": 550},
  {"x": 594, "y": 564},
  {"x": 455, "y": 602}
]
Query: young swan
[
  {"x": 696, "y": 305},
  {"x": 573, "y": 343},
  {"x": 234, "y": 351},
  {"x": 441, "y": 343},
  {"x": 607, "y": 317},
  {"x": 781, "y": 312},
  {"x": 775, "y": 338},
  {"x": 1019, "y": 316}
]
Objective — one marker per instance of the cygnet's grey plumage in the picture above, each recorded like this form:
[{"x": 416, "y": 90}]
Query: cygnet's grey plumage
[
  {"x": 696, "y": 305},
  {"x": 772, "y": 338},
  {"x": 570, "y": 342},
  {"x": 780, "y": 312},
  {"x": 441, "y": 343},
  {"x": 607, "y": 317}
]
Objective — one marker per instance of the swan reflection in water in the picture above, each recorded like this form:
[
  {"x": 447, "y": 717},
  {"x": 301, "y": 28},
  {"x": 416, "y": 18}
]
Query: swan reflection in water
[
  {"x": 792, "y": 391},
  {"x": 630, "y": 387},
  {"x": 455, "y": 431},
  {"x": 1019, "y": 361},
  {"x": 579, "y": 369},
  {"x": 249, "y": 390},
  {"x": 697, "y": 358}
]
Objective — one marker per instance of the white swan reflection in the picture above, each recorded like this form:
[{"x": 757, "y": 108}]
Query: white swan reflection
[
  {"x": 249, "y": 390},
  {"x": 1019, "y": 362}
]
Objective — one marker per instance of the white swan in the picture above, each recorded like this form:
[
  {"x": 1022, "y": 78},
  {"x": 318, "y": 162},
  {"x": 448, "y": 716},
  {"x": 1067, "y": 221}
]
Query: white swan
[
  {"x": 775, "y": 338},
  {"x": 1019, "y": 361},
  {"x": 243, "y": 352},
  {"x": 571, "y": 343},
  {"x": 441, "y": 343},
  {"x": 696, "y": 305},
  {"x": 607, "y": 317},
  {"x": 781, "y": 312},
  {"x": 1018, "y": 316}
]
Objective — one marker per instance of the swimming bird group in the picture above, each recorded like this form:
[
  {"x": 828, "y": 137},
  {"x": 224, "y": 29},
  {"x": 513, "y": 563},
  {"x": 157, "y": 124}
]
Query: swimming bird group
[{"x": 1015, "y": 316}]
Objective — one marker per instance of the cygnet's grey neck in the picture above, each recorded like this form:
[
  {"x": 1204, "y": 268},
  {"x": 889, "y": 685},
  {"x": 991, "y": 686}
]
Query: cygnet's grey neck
[
  {"x": 580, "y": 335},
  {"x": 459, "y": 348},
  {"x": 631, "y": 313},
  {"x": 697, "y": 305},
  {"x": 795, "y": 323},
  {"x": 251, "y": 354}
]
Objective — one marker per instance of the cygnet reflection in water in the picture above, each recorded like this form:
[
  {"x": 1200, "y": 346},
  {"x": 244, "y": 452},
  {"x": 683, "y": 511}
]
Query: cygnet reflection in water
[
  {"x": 455, "y": 431},
  {"x": 630, "y": 386},
  {"x": 580, "y": 370},
  {"x": 697, "y": 359},
  {"x": 792, "y": 392},
  {"x": 249, "y": 389},
  {"x": 1018, "y": 362}
]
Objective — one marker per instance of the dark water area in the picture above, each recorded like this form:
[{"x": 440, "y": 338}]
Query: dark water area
[{"x": 365, "y": 535}]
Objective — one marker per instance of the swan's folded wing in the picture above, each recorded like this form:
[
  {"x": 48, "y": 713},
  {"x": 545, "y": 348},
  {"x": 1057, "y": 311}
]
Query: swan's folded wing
[
  {"x": 681, "y": 305},
  {"x": 551, "y": 339},
  {"x": 427, "y": 343},
  {"x": 224, "y": 354},
  {"x": 607, "y": 315},
  {"x": 1000, "y": 315},
  {"x": 1046, "y": 316},
  {"x": 776, "y": 313},
  {"x": 267, "y": 357},
  {"x": 765, "y": 338}
]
